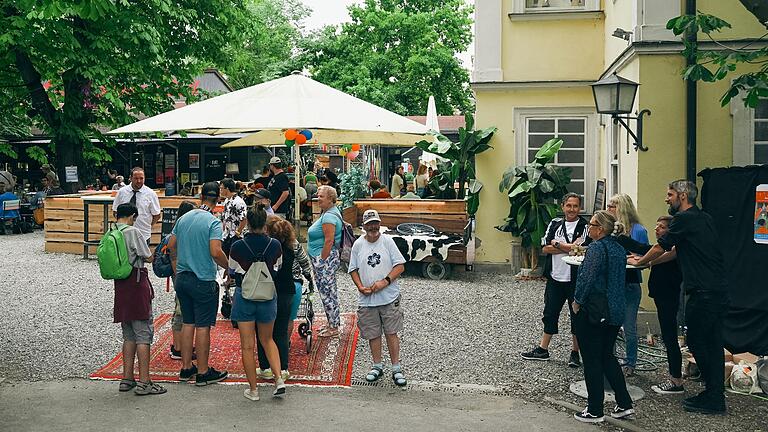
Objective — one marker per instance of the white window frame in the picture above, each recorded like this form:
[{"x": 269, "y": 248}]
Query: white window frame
[
  {"x": 591, "y": 140},
  {"x": 743, "y": 132},
  {"x": 612, "y": 141},
  {"x": 519, "y": 7}
]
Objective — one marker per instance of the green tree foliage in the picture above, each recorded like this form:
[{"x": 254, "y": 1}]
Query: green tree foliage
[
  {"x": 268, "y": 44},
  {"x": 395, "y": 54},
  {"x": 715, "y": 65},
  {"x": 70, "y": 67}
]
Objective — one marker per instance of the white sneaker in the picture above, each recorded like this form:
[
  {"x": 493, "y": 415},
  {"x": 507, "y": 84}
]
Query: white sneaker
[
  {"x": 284, "y": 374},
  {"x": 279, "y": 387},
  {"x": 251, "y": 394},
  {"x": 264, "y": 373}
]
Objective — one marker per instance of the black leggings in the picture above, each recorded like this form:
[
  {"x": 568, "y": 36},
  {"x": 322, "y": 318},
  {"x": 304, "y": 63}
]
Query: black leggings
[
  {"x": 666, "y": 309},
  {"x": 279, "y": 333}
]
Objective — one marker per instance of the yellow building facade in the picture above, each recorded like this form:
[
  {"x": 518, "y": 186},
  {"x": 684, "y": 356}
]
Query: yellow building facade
[{"x": 534, "y": 63}]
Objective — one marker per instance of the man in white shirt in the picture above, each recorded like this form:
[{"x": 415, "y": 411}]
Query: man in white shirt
[
  {"x": 144, "y": 198},
  {"x": 233, "y": 220},
  {"x": 561, "y": 235},
  {"x": 375, "y": 264}
]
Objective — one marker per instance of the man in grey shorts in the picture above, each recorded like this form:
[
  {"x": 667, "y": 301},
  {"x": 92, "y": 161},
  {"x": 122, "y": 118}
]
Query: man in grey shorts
[{"x": 375, "y": 264}]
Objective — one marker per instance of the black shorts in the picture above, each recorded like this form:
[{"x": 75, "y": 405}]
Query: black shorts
[
  {"x": 555, "y": 294},
  {"x": 199, "y": 300}
]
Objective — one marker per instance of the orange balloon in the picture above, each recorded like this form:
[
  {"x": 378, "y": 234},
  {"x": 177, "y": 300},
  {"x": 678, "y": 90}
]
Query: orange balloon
[
  {"x": 300, "y": 139},
  {"x": 355, "y": 147},
  {"x": 290, "y": 134}
]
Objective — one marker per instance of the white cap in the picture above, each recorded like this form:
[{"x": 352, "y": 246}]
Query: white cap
[
  {"x": 275, "y": 161},
  {"x": 371, "y": 216}
]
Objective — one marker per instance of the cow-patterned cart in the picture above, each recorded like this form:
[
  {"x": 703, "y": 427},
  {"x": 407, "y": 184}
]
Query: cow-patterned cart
[{"x": 451, "y": 244}]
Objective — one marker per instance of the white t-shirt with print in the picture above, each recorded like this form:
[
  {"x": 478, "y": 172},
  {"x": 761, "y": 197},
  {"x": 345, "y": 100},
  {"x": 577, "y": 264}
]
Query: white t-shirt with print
[
  {"x": 561, "y": 271},
  {"x": 374, "y": 261},
  {"x": 233, "y": 214}
]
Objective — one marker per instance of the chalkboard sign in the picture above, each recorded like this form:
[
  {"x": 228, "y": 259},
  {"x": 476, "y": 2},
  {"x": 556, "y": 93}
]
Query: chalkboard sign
[
  {"x": 168, "y": 219},
  {"x": 599, "y": 196}
]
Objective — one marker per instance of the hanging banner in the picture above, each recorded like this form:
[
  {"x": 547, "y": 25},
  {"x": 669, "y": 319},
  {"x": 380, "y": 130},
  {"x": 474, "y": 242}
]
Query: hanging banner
[{"x": 761, "y": 214}]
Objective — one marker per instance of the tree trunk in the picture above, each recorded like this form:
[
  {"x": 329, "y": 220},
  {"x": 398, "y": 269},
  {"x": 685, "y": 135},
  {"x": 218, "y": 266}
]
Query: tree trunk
[{"x": 69, "y": 153}]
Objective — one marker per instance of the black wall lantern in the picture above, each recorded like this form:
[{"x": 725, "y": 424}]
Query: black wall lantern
[{"x": 615, "y": 95}]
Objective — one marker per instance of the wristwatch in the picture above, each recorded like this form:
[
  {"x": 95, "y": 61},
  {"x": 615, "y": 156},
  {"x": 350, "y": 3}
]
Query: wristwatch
[
  {"x": 557, "y": 244},
  {"x": 386, "y": 278}
]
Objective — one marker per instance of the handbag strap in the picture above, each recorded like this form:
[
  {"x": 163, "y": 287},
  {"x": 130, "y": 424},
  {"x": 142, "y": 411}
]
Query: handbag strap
[
  {"x": 269, "y": 243},
  {"x": 607, "y": 268}
]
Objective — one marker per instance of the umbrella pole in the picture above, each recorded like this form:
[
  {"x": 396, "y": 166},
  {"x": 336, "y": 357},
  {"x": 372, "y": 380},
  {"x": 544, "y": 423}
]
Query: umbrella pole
[{"x": 296, "y": 185}]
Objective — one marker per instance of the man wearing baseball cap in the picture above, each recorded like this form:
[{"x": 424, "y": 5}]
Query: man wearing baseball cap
[
  {"x": 263, "y": 196},
  {"x": 196, "y": 243},
  {"x": 375, "y": 265},
  {"x": 279, "y": 188},
  {"x": 49, "y": 173}
]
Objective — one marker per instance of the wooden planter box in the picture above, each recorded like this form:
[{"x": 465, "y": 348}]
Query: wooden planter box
[{"x": 64, "y": 221}]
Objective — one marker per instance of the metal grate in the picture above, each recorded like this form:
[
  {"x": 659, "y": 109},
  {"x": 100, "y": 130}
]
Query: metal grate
[{"x": 436, "y": 387}]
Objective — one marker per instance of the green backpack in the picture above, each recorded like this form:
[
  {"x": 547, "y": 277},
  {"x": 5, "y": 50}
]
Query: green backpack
[{"x": 112, "y": 255}]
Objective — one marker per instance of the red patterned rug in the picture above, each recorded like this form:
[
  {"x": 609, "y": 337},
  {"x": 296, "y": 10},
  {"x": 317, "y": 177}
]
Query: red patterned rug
[{"x": 329, "y": 363}]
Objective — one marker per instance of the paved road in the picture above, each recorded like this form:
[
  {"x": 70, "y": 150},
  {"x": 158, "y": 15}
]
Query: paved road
[{"x": 97, "y": 406}]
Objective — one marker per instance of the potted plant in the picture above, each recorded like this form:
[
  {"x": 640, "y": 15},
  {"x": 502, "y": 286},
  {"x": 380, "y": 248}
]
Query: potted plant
[
  {"x": 461, "y": 155},
  {"x": 534, "y": 191},
  {"x": 354, "y": 184}
]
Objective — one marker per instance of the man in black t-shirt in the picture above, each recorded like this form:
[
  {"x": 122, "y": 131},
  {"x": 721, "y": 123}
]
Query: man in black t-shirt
[
  {"x": 279, "y": 188},
  {"x": 693, "y": 234}
]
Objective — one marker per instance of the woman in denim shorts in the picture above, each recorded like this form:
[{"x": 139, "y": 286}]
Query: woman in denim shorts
[{"x": 256, "y": 315}]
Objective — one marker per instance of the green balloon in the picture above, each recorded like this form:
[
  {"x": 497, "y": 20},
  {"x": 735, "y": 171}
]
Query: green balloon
[{"x": 290, "y": 143}]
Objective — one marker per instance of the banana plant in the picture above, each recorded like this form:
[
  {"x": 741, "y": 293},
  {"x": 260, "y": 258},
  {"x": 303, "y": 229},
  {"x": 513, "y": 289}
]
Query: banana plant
[
  {"x": 461, "y": 155},
  {"x": 533, "y": 191}
]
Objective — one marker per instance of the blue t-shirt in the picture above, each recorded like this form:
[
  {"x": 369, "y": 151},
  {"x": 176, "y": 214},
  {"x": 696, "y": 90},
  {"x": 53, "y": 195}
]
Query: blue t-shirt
[
  {"x": 193, "y": 232},
  {"x": 8, "y": 196},
  {"x": 638, "y": 234},
  {"x": 315, "y": 235}
]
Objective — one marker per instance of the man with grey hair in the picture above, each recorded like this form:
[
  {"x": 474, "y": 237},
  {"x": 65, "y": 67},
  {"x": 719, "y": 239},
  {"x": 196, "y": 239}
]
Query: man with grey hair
[
  {"x": 694, "y": 236},
  {"x": 561, "y": 235}
]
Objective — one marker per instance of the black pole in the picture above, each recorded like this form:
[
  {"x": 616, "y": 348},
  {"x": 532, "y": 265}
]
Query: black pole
[{"x": 691, "y": 100}]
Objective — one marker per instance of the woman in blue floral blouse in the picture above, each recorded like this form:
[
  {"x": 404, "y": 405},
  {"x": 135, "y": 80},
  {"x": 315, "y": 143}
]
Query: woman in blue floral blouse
[{"x": 603, "y": 271}]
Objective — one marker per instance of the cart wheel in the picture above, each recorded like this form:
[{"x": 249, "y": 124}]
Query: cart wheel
[
  {"x": 436, "y": 270},
  {"x": 309, "y": 342},
  {"x": 303, "y": 327}
]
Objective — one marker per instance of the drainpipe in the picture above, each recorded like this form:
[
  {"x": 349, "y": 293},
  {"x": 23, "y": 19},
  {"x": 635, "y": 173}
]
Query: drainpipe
[{"x": 691, "y": 100}]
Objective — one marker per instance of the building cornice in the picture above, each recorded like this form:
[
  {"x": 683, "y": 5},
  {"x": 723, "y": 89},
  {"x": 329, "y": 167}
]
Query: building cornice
[
  {"x": 515, "y": 85},
  {"x": 675, "y": 47}
]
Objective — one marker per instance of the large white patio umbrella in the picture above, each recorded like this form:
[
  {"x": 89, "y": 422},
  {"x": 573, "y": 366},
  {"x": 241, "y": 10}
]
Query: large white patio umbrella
[
  {"x": 433, "y": 125},
  {"x": 291, "y": 102}
]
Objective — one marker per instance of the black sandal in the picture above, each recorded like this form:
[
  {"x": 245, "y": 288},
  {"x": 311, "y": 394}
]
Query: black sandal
[
  {"x": 399, "y": 379},
  {"x": 127, "y": 385},
  {"x": 374, "y": 374}
]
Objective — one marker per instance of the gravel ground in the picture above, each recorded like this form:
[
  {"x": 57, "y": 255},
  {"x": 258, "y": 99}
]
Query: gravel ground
[{"x": 57, "y": 310}]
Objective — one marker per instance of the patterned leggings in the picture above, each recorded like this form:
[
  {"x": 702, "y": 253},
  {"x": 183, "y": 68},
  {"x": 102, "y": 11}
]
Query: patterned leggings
[{"x": 325, "y": 281}]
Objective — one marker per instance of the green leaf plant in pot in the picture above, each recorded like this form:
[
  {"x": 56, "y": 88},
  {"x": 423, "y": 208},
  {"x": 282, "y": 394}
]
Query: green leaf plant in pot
[
  {"x": 461, "y": 155},
  {"x": 534, "y": 191}
]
